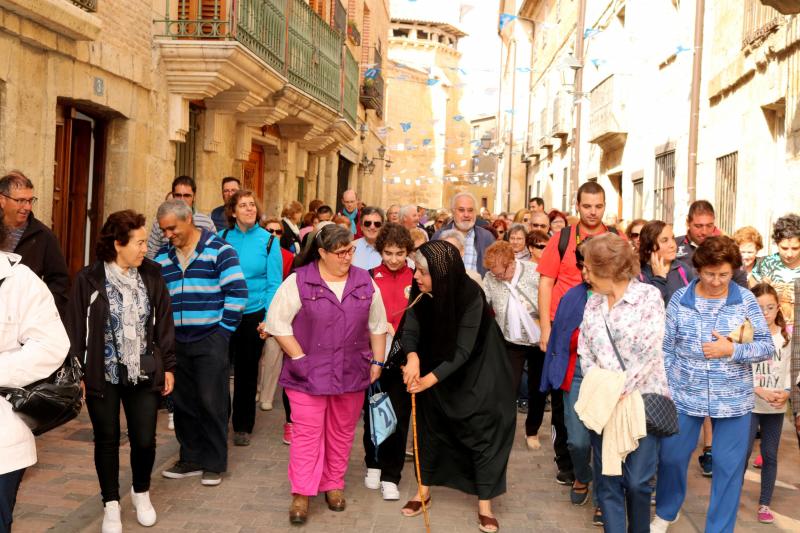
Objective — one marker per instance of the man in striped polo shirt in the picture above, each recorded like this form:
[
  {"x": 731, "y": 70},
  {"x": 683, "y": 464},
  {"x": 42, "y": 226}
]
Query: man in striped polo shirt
[{"x": 208, "y": 293}]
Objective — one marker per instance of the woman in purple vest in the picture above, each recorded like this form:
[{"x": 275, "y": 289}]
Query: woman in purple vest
[
  {"x": 329, "y": 319},
  {"x": 458, "y": 367}
]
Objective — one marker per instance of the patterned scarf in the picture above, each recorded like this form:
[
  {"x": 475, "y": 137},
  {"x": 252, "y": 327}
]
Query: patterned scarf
[{"x": 128, "y": 328}]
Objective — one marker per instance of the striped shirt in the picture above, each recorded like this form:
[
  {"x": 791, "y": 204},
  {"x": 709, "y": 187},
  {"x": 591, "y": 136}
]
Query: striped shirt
[
  {"x": 470, "y": 253},
  {"x": 719, "y": 388},
  {"x": 795, "y": 365},
  {"x": 210, "y": 295}
]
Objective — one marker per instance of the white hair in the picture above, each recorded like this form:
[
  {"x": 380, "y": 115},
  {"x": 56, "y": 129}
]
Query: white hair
[
  {"x": 174, "y": 207},
  {"x": 454, "y": 237},
  {"x": 461, "y": 195},
  {"x": 407, "y": 210}
]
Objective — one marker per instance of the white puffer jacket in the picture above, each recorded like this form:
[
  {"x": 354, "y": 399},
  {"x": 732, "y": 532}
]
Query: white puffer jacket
[{"x": 33, "y": 344}]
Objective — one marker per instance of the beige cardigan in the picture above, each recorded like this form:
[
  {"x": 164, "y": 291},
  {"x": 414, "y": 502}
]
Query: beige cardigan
[{"x": 621, "y": 422}]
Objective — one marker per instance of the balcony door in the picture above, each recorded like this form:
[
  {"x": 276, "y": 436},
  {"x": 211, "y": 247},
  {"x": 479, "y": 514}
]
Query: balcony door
[{"x": 78, "y": 185}]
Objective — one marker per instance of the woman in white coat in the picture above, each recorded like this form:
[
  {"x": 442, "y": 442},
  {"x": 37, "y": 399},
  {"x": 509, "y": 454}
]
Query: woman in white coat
[{"x": 33, "y": 344}]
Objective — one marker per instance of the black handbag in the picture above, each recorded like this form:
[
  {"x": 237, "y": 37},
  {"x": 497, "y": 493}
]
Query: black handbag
[
  {"x": 50, "y": 402},
  {"x": 659, "y": 410}
]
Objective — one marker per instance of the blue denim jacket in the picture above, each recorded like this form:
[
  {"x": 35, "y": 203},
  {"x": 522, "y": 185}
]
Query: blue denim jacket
[{"x": 720, "y": 388}]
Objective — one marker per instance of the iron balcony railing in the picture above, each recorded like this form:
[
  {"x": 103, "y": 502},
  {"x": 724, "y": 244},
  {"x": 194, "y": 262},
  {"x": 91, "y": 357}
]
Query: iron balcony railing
[
  {"x": 372, "y": 94},
  {"x": 287, "y": 34},
  {"x": 86, "y": 5}
]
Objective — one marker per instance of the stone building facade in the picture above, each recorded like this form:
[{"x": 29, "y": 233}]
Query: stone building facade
[
  {"x": 637, "y": 77},
  {"x": 103, "y": 103},
  {"x": 428, "y": 133}
]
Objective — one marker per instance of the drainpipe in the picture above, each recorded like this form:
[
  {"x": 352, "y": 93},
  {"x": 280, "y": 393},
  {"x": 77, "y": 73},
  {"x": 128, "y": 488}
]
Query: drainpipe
[
  {"x": 694, "y": 112},
  {"x": 511, "y": 137},
  {"x": 576, "y": 139}
]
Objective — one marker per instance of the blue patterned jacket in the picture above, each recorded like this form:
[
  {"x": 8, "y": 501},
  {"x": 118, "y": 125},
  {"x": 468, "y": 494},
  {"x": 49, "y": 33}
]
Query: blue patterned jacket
[{"x": 719, "y": 388}]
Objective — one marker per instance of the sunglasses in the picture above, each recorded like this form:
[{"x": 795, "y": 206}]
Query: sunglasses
[
  {"x": 634, "y": 235},
  {"x": 275, "y": 231},
  {"x": 369, "y": 224},
  {"x": 543, "y": 226},
  {"x": 538, "y": 246}
]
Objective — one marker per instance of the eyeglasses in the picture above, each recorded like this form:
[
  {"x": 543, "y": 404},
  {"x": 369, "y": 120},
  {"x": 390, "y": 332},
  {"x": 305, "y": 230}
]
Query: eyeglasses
[
  {"x": 23, "y": 201},
  {"x": 275, "y": 231},
  {"x": 179, "y": 195},
  {"x": 634, "y": 235},
  {"x": 370, "y": 223},
  {"x": 538, "y": 246},
  {"x": 343, "y": 254},
  {"x": 771, "y": 308},
  {"x": 543, "y": 226}
]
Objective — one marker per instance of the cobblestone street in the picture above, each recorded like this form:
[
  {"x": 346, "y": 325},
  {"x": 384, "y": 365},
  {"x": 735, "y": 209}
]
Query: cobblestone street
[{"x": 61, "y": 492}]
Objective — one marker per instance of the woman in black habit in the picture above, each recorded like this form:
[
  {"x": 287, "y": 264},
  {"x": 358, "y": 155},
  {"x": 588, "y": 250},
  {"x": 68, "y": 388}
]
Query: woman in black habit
[{"x": 458, "y": 367}]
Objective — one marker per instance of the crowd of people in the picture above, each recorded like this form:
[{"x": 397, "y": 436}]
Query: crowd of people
[{"x": 472, "y": 316}]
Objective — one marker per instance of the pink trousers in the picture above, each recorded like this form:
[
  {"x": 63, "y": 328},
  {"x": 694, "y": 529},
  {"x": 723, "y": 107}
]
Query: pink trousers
[{"x": 323, "y": 428}]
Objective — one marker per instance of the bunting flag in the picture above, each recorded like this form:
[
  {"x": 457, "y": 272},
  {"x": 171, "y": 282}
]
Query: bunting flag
[
  {"x": 505, "y": 18},
  {"x": 523, "y": 69},
  {"x": 405, "y": 126},
  {"x": 371, "y": 74},
  {"x": 597, "y": 62},
  {"x": 426, "y": 142},
  {"x": 432, "y": 81},
  {"x": 458, "y": 118},
  {"x": 681, "y": 49},
  {"x": 588, "y": 33}
]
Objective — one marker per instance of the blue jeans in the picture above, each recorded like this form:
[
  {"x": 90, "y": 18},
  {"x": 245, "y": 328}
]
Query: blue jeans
[
  {"x": 729, "y": 451},
  {"x": 9, "y": 485},
  {"x": 578, "y": 441},
  {"x": 625, "y": 499}
]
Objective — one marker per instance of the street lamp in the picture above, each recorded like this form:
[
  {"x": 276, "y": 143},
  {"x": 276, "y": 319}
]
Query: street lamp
[
  {"x": 569, "y": 70},
  {"x": 382, "y": 156},
  {"x": 366, "y": 164}
]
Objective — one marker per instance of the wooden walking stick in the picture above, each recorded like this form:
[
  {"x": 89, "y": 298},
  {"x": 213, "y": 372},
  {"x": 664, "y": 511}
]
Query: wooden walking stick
[{"x": 416, "y": 462}]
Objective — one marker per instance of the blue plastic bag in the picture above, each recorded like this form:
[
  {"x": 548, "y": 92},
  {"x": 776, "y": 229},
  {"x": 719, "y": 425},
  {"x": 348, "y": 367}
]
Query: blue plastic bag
[{"x": 382, "y": 419}]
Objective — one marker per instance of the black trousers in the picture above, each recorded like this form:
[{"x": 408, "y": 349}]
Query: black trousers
[
  {"x": 9, "y": 485},
  {"x": 563, "y": 459},
  {"x": 391, "y": 452},
  {"x": 202, "y": 401},
  {"x": 245, "y": 352},
  {"x": 518, "y": 354},
  {"x": 141, "y": 409}
]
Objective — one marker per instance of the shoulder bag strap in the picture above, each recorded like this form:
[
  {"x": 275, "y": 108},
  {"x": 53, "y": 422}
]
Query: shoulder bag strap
[
  {"x": 613, "y": 344},
  {"x": 682, "y": 272},
  {"x": 269, "y": 243},
  {"x": 563, "y": 241}
]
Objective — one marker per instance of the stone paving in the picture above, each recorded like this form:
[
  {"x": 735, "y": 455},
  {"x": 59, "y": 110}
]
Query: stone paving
[{"x": 61, "y": 493}]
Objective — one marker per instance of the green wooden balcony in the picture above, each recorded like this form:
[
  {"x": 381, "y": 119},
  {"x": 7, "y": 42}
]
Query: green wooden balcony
[
  {"x": 350, "y": 99},
  {"x": 286, "y": 34}
]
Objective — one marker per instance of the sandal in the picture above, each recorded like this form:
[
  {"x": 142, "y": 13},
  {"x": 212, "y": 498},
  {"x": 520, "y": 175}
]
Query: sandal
[
  {"x": 415, "y": 507},
  {"x": 487, "y": 524}
]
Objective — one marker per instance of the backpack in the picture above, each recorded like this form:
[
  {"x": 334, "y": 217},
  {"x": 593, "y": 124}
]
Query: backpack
[{"x": 563, "y": 239}]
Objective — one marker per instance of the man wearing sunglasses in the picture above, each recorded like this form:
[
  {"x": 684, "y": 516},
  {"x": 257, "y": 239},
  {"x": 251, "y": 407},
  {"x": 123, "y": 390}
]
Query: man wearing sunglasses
[
  {"x": 366, "y": 256},
  {"x": 30, "y": 239}
]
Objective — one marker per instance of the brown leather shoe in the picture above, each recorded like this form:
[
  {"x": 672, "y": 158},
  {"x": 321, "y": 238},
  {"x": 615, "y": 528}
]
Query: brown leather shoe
[
  {"x": 298, "y": 512},
  {"x": 335, "y": 499}
]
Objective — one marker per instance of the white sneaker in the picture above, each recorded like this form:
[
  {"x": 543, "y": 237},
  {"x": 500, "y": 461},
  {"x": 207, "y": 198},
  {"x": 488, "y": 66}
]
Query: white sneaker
[
  {"x": 145, "y": 513},
  {"x": 171, "y": 421},
  {"x": 266, "y": 406},
  {"x": 659, "y": 525},
  {"x": 389, "y": 491},
  {"x": 373, "y": 478},
  {"x": 112, "y": 521}
]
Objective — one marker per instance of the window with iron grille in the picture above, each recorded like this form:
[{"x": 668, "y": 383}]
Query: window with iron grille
[
  {"x": 638, "y": 198},
  {"x": 664, "y": 193},
  {"x": 186, "y": 152},
  {"x": 759, "y": 21},
  {"x": 726, "y": 192}
]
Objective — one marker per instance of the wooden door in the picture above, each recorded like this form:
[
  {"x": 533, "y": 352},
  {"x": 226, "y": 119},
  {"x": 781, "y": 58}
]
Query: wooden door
[
  {"x": 253, "y": 171},
  {"x": 77, "y": 193},
  {"x": 342, "y": 179}
]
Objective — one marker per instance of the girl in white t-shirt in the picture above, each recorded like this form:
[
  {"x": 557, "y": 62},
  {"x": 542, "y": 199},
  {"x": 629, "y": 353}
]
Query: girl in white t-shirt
[{"x": 772, "y": 385}]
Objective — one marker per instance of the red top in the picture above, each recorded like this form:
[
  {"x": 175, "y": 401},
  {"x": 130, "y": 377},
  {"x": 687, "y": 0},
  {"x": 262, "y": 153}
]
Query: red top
[
  {"x": 395, "y": 288},
  {"x": 564, "y": 270}
]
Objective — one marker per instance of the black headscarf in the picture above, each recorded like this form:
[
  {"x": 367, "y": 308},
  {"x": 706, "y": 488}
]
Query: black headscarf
[{"x": 452, "y": 292}]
